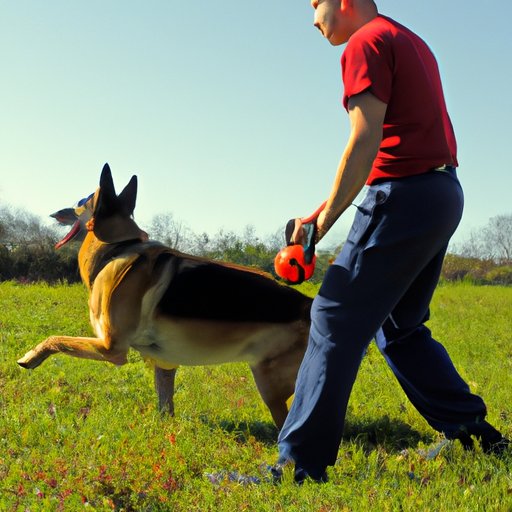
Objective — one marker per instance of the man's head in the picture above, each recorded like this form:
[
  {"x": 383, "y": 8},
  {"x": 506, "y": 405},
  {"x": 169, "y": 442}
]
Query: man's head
[{"x": 339, "y": 19}]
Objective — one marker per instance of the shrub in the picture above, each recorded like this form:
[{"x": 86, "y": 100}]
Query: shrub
[
  {"x": 38, "y": 262},
  {"x": 462, "y": 268},
  {"x": 500, "y": 275}
]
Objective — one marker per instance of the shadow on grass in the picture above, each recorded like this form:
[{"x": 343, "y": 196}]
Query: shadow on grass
[
  {"x": 262, "y": 431},
  {"x": 392, "y": 435}
]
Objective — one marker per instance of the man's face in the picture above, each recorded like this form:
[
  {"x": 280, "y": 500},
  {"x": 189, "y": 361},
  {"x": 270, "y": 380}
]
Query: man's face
[{"x": 330, "y": 19}]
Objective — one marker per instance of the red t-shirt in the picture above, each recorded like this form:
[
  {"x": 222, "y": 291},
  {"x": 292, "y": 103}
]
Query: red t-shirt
[{"x": 398, "y": 67}]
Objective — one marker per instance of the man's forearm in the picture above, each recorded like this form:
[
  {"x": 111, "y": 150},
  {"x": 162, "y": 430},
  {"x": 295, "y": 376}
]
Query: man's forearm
[
  {"x": 351, "y": 176},
  {"x": 366, "y": 116}
]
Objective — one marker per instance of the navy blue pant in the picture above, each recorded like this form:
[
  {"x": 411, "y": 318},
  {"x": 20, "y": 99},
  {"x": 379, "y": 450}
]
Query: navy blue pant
[{"x": 380, "y": 286}]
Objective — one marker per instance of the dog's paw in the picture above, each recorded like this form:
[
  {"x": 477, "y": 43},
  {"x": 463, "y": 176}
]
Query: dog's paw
[{"x": 29, "y": 361}]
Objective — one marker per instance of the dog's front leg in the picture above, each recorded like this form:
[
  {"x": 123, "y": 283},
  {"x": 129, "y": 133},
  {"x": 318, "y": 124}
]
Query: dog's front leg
[
  {"x": 88, "y": 348},
  {"x": 164, "y": 385}
]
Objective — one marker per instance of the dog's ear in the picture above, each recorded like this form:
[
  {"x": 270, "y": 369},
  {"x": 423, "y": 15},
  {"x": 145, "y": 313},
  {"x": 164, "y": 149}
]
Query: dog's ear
[
  {"x": 106, "y": 202},
  {"x": 106, "y": 181},
  {"x": 128, "y": 197},
  {"x": 112, "y": 214}
]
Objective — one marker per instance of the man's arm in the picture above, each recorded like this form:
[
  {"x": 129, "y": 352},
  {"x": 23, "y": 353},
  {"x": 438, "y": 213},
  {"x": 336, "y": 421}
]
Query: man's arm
[{"x": 366, "y": 114}]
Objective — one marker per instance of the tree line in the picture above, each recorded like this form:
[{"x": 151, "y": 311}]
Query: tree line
[{"x": 27, "y": 251}]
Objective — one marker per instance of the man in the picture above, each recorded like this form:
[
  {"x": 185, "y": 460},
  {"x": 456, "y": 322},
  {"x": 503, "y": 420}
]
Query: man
[{"x": 402, "y": 145}]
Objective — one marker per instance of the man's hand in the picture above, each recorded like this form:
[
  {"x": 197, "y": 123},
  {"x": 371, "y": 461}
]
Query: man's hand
[{"x": 299, "y": 235}]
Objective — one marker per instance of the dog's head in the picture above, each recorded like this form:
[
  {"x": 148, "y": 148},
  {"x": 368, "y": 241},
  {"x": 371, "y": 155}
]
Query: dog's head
[
  {"x": 108, "y": 215},
  {"x": 76, "y": 217}
]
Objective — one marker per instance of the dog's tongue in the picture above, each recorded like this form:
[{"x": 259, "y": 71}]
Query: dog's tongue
[{"x": 74, "y": 230}]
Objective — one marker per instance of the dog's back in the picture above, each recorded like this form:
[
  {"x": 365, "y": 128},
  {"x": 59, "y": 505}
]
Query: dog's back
[{"x": 209, "y": 290}]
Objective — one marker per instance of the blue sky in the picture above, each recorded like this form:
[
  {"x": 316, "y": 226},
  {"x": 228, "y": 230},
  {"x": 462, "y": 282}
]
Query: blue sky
[{"x": 230, "y": 113}]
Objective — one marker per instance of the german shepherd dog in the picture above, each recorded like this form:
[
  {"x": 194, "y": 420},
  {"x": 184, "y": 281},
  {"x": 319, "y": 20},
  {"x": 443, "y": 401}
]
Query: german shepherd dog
[{"x": 177, "y": 309}]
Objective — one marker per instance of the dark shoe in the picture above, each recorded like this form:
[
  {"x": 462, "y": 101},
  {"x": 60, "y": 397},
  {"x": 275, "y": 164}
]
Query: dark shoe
[
  {"x": 466, "y": 441},
  {"x": 276, "y": 472},
  {"x": 491, "y": 440},
  {"x": 300, "y": 474},
  {"x": 495, "y": 447}
]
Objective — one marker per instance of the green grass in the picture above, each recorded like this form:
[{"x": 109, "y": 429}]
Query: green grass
[{"x": 83, "y": 435}]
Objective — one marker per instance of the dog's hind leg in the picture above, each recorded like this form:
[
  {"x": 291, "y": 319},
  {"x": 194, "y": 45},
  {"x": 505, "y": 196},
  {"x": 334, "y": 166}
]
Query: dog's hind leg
[
  {"x": 275, "y": 381},
  {"x": 87, "y": 348},
  {"x": 164, "y": 385}
]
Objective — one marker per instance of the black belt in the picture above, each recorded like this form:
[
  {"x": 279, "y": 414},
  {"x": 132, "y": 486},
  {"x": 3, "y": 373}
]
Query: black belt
[
  {"x": 448, "y": 169},
  {"x": 442, "y": 169}
]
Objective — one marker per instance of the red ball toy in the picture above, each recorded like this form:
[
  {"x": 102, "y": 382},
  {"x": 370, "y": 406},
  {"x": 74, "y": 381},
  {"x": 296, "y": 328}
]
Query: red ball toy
[{"x": 290, "y": 264}]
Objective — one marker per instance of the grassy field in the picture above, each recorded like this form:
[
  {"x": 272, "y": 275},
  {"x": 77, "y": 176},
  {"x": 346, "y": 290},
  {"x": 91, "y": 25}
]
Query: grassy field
[{"x": 83, "y": 435}]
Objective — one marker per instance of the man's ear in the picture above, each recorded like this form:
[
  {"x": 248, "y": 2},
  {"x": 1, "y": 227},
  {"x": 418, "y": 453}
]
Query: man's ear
[
  {"x": 128, "y": 197},
  {"x": 347, "y": 5}
]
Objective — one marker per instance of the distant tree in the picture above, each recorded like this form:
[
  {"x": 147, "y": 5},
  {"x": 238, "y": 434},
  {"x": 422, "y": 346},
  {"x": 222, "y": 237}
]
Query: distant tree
[
  {"x": 276, "y": 241},
  {"x": 497, "y": 236},
  {"x": 472, "y": 247},
  {"x": 492, "y": 242},
  {"x": 245, "y": 249},
  {"x": 199, "y": 244},
  {"x": 18, "y": 227},
  {"x": 27, "y": 250},
  {"x": 170, "y": 231},
  {"x": 225, "y": 246}
]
